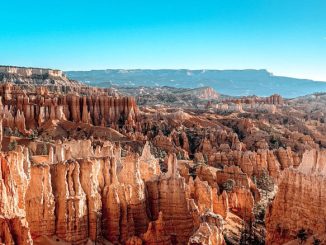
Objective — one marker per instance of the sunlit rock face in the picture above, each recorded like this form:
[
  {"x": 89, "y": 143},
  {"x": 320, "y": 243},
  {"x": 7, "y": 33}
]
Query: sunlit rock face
[
  {"x": 27, "y": 111},
  {"x": 298, "y": 203},
  {"x": 14, "y": 181},
  {"x": 97, "y": 195},
  {"x": 209, "y": 232},
  {"x": 40, "y": 202}
]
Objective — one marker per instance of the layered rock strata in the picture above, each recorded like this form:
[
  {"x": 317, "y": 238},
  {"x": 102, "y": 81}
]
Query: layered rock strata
[
  {"x": 298, "y": 203},
  {"x": 26, "y": 111},
  {"x": 78, "y": 193}
]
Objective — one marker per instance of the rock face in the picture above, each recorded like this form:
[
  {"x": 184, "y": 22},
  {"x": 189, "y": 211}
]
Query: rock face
[
  {"x": 26, "y": 78},
  {"x": 79, "y": 193},
  {"x": 206, "y": 93},
  {"x": 148, "y": 164},
  {"x": 44, "y": 81},
  {"x": 14, "y": 179},
  {"x": 254, "y": 163},
  {"x": 29, "y": 72},
  {"x": 29, "y": 111},
  {"x": 168, "y": 194},
  {"x": 274, "y": 99},
  {"x": 298, "y": 203},
  {"x": 156, "y": 233},
  {"x": 70, "y": 199},
  {"x": 208, "y": 231},
  {"x": 40, "y": 202}
]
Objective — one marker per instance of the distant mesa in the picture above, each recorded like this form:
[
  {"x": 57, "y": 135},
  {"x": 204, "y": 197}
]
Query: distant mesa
[
  {"x": 27, "y": 78},
  {"x": 229, "y": 82},
  {"x": 29, "y": 72}
]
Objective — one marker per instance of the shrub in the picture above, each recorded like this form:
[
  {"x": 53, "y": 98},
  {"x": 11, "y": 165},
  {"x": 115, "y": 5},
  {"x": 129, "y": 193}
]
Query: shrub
[
  {"x": 44, "y": 149},
  {"x": 316, "y": 241},
  {"x": 249, "y": 237},
  {"x": 228, "y": 185},
  {"x": 275, "y": 142},
  {"x": 33, "y": 135},
  {"x": 12, "y": 145},
  {"x": 265, "y": 182},
  {"x": 260, "y": 214},
  {"x": 302, "y": 235}
]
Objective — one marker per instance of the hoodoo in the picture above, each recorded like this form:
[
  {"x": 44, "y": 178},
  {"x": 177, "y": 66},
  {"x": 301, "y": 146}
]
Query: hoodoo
[{"x": 85, "y": 165}]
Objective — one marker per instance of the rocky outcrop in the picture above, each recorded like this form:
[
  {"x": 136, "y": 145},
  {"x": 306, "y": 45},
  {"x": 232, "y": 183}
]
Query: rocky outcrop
[
  {"x": 27, "y": 78},
  {"x": 148, "y": 165},
  {"x": 130, "y": 177},
  {"x": 29, "y": 72},
  {"x": 255, "y": 163},
  {"x": 43, "y": 81},
  {"x": 156, "y": 233},
  {"x": 40, "y": 202},
  {"x": 14, "y": 179},
  {"x": 298, "y": 203},
  {"x": 14, "y": 231},
  {"x": 70, "y": 200},
  {"x": 229, "y": 190},
  {"x": 221, "y": 203},
  {"x": 81, "y": 194},
  {"x": 164, "y": 142},
  {"x": 241, "y": 202},
  {"x": 206, "y": 93},
  {"x": 168, "y": 194},
  {"x": 274, "y": 99},
  {"x": 26, "y": 111},
  {"x": 209, "y": 231}
]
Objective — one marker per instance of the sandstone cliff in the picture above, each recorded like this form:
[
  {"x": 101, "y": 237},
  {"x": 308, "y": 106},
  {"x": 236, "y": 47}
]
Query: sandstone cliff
[
  {"x": 299, "y": 201},
  {"x": 24, "y": 112},
  {"x": 78, "y": 193}
]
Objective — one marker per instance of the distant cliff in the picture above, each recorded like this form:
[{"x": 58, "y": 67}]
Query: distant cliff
[
  {"x": 230, "y": 82},
  {"x": 30, "y": 72},
  {"x": 27, "y": 78},
  {"x": 206, "y": 93}
]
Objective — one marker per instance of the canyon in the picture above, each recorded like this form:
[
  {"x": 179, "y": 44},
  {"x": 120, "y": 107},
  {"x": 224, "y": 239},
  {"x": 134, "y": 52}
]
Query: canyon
[{"x": 87, "y": 165}]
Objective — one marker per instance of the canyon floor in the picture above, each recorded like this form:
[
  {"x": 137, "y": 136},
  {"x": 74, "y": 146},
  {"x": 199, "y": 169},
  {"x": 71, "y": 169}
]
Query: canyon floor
[{"x": 157, "y": 165}]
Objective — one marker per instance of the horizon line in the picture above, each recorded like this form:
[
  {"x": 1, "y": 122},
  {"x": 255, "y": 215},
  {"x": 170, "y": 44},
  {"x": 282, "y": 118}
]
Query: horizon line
[{"x": 175, "y": 69}]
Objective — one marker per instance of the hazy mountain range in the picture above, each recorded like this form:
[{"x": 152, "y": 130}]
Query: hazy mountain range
[{"x": 230, "y": 82}]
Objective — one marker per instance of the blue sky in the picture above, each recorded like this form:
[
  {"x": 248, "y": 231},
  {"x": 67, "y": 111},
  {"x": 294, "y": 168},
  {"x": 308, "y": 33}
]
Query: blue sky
[{"x": 287, "y": 37}]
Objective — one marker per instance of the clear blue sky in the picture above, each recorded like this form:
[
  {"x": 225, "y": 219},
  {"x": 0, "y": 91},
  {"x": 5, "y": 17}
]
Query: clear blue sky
[{"x": 287, "y": 37}]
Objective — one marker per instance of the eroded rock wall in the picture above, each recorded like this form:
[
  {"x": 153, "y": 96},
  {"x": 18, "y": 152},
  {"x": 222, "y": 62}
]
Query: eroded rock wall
[
  {"x": 100, "y": 196},
  {"x": 26, "y": 111},
  {"x": 299, "y": 202}
]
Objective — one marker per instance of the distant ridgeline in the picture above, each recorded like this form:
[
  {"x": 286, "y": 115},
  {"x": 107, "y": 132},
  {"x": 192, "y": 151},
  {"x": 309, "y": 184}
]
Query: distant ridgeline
[
  {"x": 227, "y": 82},
  {"x": 27, "y": 78}
]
